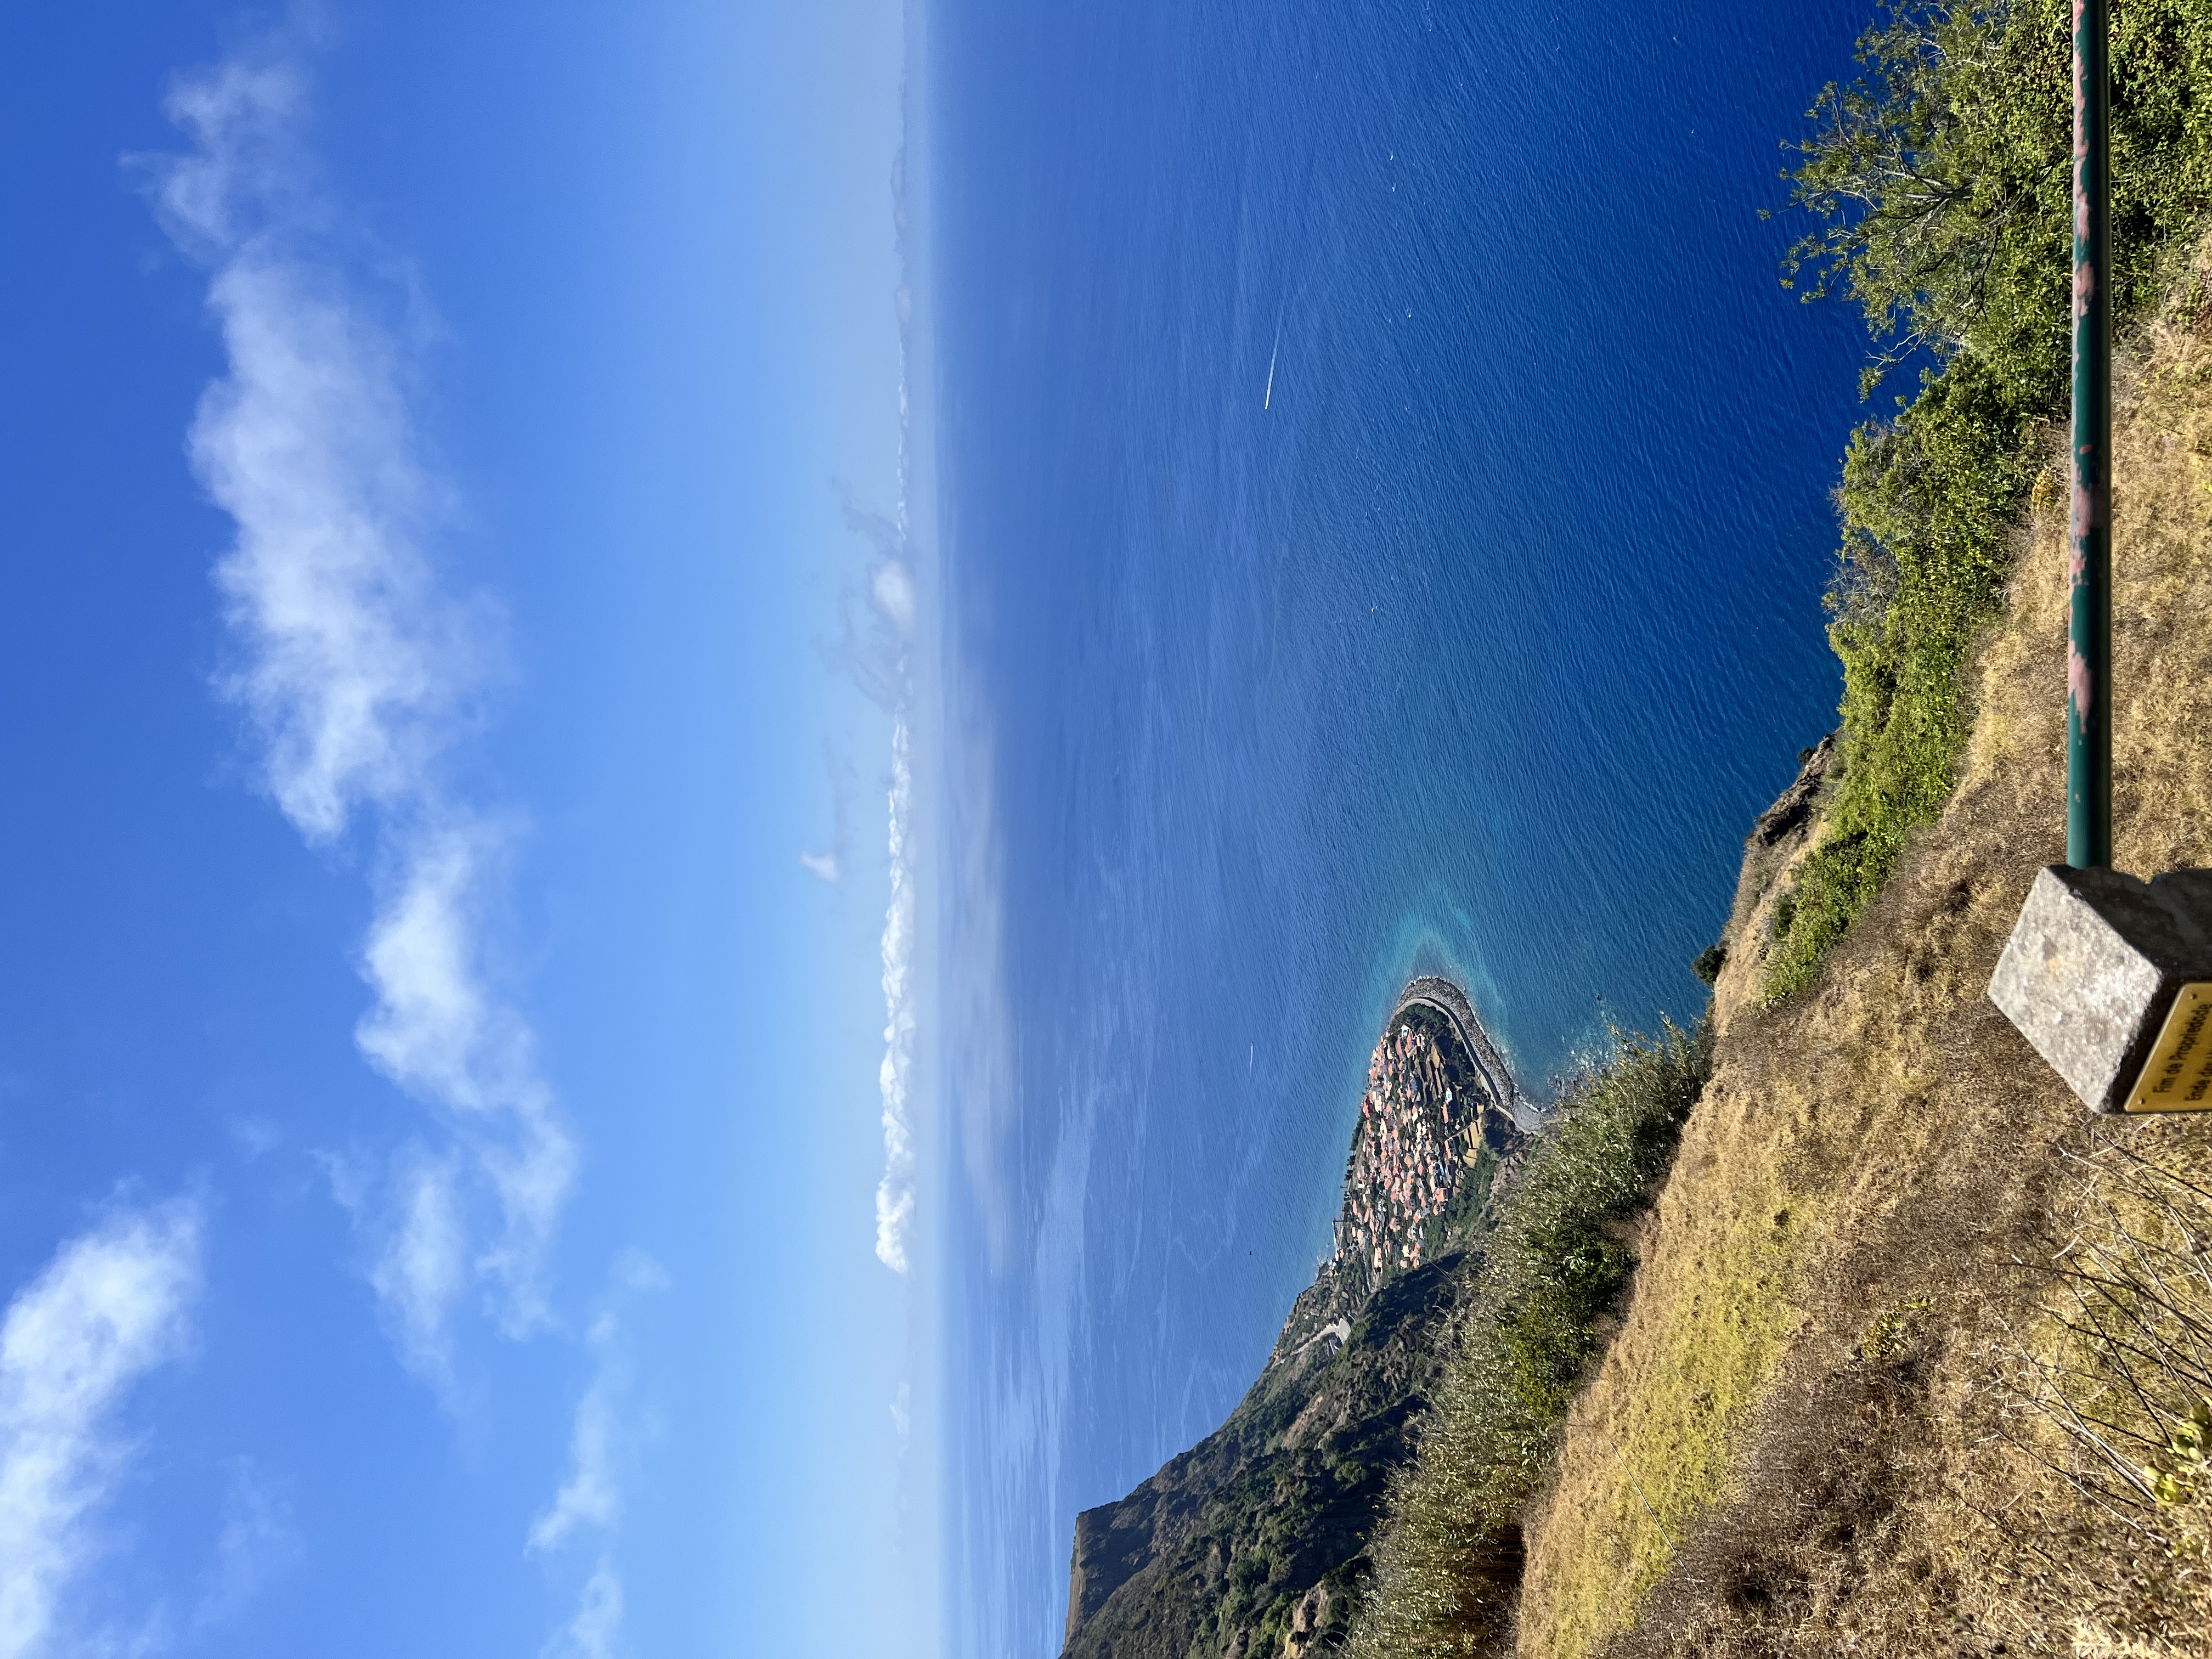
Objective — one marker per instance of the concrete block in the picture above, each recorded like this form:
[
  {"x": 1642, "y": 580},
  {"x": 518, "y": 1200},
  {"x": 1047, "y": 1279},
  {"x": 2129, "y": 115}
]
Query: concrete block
[{"x": 2110, "y": 978}]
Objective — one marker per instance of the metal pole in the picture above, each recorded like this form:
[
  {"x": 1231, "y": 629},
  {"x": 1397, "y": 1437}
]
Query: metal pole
[{"x": 2089, "y": 652}]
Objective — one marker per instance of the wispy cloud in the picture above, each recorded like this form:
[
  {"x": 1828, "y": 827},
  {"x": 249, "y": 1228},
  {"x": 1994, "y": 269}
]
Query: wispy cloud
[
  {"x": 258, "y": 1543},
  {"x": 830, "y": 863},
  {"x": 436, "y": 1030},
  {"x": 112, "y": 1305},
  {"x": 902, "y": 1414},
  {"x": 590, "y": 1497},
  {"x": 976, "y": 1020},
  {"x": 422, "y": 1265},
  {"x": 358, "y": 670},
  {"x": 876, "y": 618},
  {"x": 592, "y": 1633},
  {"x": 602, "y": 1445}
]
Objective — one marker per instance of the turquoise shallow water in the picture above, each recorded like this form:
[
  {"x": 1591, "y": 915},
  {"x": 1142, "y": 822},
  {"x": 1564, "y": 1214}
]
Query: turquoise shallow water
[{"x": 1384, "y": 517}]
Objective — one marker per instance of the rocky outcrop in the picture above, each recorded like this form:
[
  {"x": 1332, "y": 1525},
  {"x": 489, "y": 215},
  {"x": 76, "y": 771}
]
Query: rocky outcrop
[
  {"x": 1254, "y": 1542},
  {"x": 1794, "y": 808}
]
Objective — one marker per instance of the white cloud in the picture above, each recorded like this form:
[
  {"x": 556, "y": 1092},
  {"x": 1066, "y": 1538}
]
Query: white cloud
[
  {"x": 895, "y": 1192},
  {"x": 589, "y": 1496},
  {"x": 894, "y": 593},
  {"x": 591, "y": 1634},
  {"x": 601, "y": 1446},
  {"x": 879, "y": 661},
  {"x": 435, "y": 1030},
  {"x": 422, "y": 1261},
  {"x": 892, "y": 589},
  {"x": 355, "y": 662},
  {"x": 603, "y": 1439},
  {"x": 111, "y": 1306},
  {"x": 358, "y": 670},
  {"x": 828, "y": 864}
]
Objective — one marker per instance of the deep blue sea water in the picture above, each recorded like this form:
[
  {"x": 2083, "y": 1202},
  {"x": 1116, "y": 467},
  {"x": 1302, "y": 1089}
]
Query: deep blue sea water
[{"x": 1384, "y": 506}]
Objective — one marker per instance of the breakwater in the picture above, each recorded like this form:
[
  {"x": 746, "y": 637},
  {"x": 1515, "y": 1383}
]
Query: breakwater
[{"x": 1432, "y": 991}]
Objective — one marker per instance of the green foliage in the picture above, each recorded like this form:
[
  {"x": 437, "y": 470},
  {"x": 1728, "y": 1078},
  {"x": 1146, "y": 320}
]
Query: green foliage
[
  {"x": 1942, "y": 177},
  {"x": 1553, "y": 1269},
  {"x": 1941, "y": 180},
  {"x": 1709, "y": 963},
  {"x": 1926, "y": 503}
]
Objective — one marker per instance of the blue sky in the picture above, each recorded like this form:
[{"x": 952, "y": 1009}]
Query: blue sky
[{"x": 449, "y": 456}]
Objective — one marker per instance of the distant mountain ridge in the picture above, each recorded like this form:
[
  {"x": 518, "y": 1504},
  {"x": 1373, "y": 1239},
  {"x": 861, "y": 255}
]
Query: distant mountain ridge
[{"x": 1253, "y": 1542}]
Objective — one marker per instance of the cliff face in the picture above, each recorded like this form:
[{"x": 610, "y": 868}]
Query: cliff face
[{"x": 1253, "y": 1542}]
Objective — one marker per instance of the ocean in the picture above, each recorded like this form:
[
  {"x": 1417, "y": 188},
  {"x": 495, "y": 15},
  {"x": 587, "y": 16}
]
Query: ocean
[{"x": 1384, "y": 510}]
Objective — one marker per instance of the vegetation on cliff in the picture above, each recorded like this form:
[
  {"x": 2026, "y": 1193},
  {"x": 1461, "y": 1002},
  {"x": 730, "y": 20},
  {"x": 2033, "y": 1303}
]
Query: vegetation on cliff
[
  {"x": 1940, "y": 180},
  {"x": 1551, "y": 1271},
  {"x": 1254, "y": 1542}
]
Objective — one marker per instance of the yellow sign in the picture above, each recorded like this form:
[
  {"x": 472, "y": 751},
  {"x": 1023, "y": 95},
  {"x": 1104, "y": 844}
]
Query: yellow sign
[{"x": 2177, "y": 1076}]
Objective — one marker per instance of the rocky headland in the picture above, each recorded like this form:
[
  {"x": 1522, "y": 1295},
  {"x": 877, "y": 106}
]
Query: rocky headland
[{"x": 1252, "y": 1540}]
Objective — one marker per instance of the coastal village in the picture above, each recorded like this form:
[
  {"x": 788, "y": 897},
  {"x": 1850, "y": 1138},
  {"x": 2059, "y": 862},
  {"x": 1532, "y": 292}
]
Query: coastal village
[
  {"x": 1440, "y": 1126},
  {"x": 1420, "y": 1139}
]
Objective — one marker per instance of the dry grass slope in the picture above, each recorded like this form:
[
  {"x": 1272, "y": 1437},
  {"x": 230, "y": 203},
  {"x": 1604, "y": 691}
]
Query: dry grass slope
[{"x": 1814, "y": 1432}]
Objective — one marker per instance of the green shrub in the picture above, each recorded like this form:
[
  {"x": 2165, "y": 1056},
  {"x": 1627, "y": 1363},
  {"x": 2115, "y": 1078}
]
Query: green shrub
[
  {"x": 1449, "y": 1559},
  {"x": 1941, "y": 182}
]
